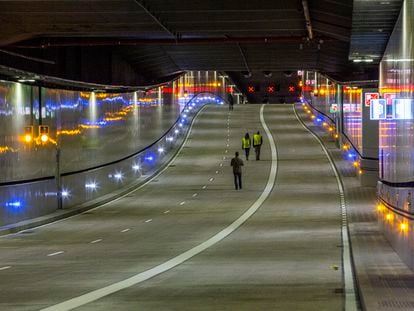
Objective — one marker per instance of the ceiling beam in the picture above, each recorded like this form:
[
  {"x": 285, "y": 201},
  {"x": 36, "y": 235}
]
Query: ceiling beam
[
  {"x": 157, "y": 19},
  {"x": 307, "y": 19}
]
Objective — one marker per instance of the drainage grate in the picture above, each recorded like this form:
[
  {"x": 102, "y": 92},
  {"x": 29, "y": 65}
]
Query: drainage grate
[{"x": 396, "y": 304}]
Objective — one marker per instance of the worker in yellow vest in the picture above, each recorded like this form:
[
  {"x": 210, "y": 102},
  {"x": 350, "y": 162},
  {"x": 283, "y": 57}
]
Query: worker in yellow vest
[
  {"x": 257, "y": 144},
  {"x": 246, "y": 144}
]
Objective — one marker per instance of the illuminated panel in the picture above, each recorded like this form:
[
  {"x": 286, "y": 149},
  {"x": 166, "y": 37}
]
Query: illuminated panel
[
  {"x": 402, "y": 109},
  {"x": 378, "y": 109}
]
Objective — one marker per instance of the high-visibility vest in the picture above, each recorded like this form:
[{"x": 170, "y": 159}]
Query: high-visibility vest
[
  {"x": 245, "y": 143},
  {"x": 257, "y": 139}
]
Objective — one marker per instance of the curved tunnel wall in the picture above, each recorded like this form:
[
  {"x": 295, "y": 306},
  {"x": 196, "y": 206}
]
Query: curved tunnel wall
[
  {"x": 99, "y": 143},
  {"x": 396, "y": 138}
]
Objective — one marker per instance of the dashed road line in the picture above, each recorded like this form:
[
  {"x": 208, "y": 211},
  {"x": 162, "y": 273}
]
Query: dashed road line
[
  {"x": 182, "y": 203},
  {"x": 5, "y": 268},
  {"x": 166, "y": 212},
  {"x": 125, "y": 230},
  {"x": 211, "y": 179},
  {"x": 55, "y": 253},
  {"x": 96, "y": 241},
  {"x": 140, "y": 277},
  {"x": 217, "y": 172},
  {"x": 221, "y": 164},
  {"x": 148, "y": 220},
  {"x": 204, "y": 187},
  {"x": 195, "y": 194}
]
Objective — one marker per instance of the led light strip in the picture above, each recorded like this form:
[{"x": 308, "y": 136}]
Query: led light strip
[
  {"x": 148, "y": 274},
  {"x": 350, "y": 295}
]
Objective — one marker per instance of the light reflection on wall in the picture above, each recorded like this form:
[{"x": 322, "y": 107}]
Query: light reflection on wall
[
  {"x": 352, "y": 112},
  {"x": 397, "y": 80}
]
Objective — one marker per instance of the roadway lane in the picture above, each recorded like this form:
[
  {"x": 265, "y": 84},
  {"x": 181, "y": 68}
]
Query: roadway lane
[
  {"x": 282, "y": 258},
  {"x": 190, "y": 202}
]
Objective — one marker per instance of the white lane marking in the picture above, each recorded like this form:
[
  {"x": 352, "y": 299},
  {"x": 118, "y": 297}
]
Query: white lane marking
[
  {"x": 350, "y": 295},
  {"x": 5, "y": 268},
  {"x": 130, "y": 192},
  {"x": 96, "y": 241},
  {"x": 195, "y": 194},
  {"x": 182, "y": 203},
  {"x": 224, "y": 158},
  {"x": 221, "y": 164},
  {"x": 54, "y": 254},
  {"x": 148, "y": 220},
  {"x": 204, "y": 187},
  {"x": 211, "y": 179},
  {"x": 227, "y": 145},
  {"x": 226, "y": 151},
  {"x": 166, "y": 212},
  {"x": 148, "y": 274},
  {"x": 217, "y": 172},
  {"x": 125, "y": 230}
]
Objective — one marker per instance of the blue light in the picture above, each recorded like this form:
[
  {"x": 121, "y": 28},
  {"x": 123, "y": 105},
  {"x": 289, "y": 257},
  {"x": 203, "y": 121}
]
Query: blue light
[
  {"x": 351, "y": 155},
  {"x": 14, "y": 204},
  {"x": 318, "y": 120}
]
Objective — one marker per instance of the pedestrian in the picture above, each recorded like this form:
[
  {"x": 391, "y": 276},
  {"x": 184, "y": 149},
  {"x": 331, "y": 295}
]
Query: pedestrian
[
  {"x": 257, "y": 144},
  {"x": 237, "y": 163},
  {"x": 246, "y": 143},
  {"x": 231, "y": 101}
]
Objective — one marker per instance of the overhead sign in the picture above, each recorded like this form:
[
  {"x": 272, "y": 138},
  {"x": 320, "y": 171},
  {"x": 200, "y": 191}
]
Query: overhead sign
[
  {"x": 333, "y": 108},
  {"x": 402, "y": 109},
  {"x": 369, "y": 97},
  {"x": 378, "y": 109}
]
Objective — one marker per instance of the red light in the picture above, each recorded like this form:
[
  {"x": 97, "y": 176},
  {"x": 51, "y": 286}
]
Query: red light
[
  {"x": 250, "y": 89},
  {"x": 270, "y": 89},
  {"x": 291, "y": 88}
]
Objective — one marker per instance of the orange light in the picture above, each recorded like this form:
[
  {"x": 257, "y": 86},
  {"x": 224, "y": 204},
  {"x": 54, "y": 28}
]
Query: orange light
[
  {"x": 300, "y": 83},
  {"x": 403, "y": 227},
  {"x": 44, "y": 138},
  {"x": 389, "y": 216},
  {"x": 360, "y": 172},
  {"x": 28, "y": 138},
  {"x": 345, "y": 147},
  {"x": 356, "y": 163},
  {"x": 336, "y": 136},
  {"x": 313, "y": 117},
  {"x": 325, "y": 124},
  {"x": 331, "y": 129},
  {"x": 379, "y": 207},
  {"x": 315, "y": 91},
  {"x": 308, "y": 111}
]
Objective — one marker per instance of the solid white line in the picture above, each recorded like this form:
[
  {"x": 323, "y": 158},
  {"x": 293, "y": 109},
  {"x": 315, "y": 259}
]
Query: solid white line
[
  {"x": 149, "y": 220},
  {"x": 167, "y": 165},
  {"x": 166, "y": 212},
  {"x": 5, "y": 268},
  {"x": 350, "y": 295},
  {"x": 125, "y": 230},
  {"x": 195, "y": 194},
  {"x": 182, "y": 203},
  {"x": 143, "y": 276},
  {"x": 54, "y": 254},
  {"x": 96, "y": 241}
]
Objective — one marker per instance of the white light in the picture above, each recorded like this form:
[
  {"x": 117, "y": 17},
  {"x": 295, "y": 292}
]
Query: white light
[
  {"x": 91, "y": 185},
  {"x": 160, "y": 150},
  {"x": 180, "y": 125},
  {"x": 193, "y": 104},
  {"x": 176, "y": 131},
  {"x": 367, "y": 60},
  {"x": 135, "y": 167},
  {"x": 65, "y": 193},
  {"x": 186, "y": 110},
  {"x": 191, "y": 108},
  {"x": 184, "y": 116},
  {"x": 118, "y": 176},
  {"x": 170, "y": 138}
]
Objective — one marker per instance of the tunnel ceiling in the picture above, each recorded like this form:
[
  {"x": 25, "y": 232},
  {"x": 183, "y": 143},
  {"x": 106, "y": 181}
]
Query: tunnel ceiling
[{"x": 110, "y": 41}]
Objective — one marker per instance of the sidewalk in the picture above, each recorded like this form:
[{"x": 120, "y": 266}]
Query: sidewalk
[{"x": 385, "y": 282}]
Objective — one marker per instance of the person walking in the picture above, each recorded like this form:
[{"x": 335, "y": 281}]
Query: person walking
[
  {"x": 231, "y": 101},
  {"x": 237, "y": 163},
  {"x": 246, "y": 143},
  {"x": 257, "y": 144}
]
